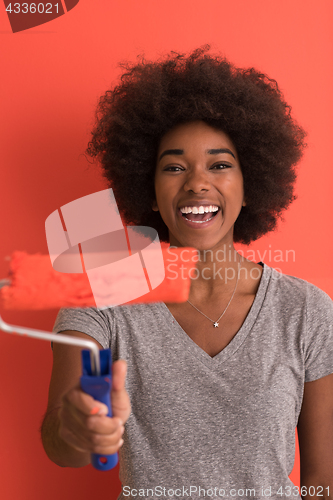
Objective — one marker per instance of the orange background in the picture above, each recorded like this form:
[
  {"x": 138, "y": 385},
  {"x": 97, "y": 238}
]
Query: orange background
[{"x": 51, "y": 78}]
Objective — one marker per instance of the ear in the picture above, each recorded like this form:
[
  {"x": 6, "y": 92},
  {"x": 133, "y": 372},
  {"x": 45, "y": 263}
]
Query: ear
[
  {"x": 154, "y": 206},
  {"x": 244, "y": 203}
]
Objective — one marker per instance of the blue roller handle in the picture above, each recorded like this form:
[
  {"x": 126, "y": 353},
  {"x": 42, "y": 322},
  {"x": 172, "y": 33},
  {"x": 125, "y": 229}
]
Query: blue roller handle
[{"x": 99, "y": 388}]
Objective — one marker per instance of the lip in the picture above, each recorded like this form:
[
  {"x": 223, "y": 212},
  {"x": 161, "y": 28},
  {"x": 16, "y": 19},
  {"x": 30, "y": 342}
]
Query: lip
[{"x": 196, "y": 225}]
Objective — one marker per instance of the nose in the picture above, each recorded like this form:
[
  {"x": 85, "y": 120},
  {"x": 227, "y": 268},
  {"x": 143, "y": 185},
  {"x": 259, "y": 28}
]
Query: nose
[{"x": 197, "y": 180}]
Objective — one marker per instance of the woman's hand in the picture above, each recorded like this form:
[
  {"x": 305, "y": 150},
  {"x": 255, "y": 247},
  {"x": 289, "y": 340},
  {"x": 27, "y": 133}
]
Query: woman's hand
[
  {"x": 75, "y": 425},
  {"x": 83, "y": 421}
]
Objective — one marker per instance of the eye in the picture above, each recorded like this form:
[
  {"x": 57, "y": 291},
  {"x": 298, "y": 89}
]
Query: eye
[
  {"x": 172, "y": 169},
  {"x": 221, "y": 166}
]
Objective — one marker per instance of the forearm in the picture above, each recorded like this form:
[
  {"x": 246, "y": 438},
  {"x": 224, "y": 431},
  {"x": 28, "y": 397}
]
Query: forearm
[
  {"x": 316, "y": 488},
  {"x": 56, "y": 448}
]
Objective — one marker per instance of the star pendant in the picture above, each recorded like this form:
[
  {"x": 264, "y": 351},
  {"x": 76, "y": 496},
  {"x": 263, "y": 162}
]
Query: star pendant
[{"x": 216, "y": 324}]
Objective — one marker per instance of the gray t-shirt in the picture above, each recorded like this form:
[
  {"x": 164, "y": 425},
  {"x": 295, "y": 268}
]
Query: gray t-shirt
[{"x": 221, "y": 427}]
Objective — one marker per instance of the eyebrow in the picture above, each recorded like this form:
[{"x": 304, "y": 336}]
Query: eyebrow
[{"x": 208, "y": 151}]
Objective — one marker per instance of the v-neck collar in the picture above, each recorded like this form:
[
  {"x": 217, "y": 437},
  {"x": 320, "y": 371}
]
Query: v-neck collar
[{"x": 236, "y": 341}]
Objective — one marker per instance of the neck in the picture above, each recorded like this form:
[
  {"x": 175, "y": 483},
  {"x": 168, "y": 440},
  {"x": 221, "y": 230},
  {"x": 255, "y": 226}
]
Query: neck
[{"x": 216, "y": 272}]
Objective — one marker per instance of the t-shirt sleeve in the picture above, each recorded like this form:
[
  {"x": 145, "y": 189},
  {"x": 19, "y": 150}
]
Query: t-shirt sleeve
[
  {"x": 319, "y": 340},
  {"x": 90, "y": 321}
]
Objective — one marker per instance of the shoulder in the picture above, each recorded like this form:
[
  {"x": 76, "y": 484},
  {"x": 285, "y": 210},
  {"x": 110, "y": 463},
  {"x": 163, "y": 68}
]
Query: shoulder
[
  {"x": 86, "y": 315},
  {"x": 298, "y": 290},
  {"x": 94, "y": 322}
]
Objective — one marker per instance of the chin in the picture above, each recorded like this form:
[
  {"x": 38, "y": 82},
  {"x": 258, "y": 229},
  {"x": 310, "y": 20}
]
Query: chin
[{"x": 202, "y": 242}]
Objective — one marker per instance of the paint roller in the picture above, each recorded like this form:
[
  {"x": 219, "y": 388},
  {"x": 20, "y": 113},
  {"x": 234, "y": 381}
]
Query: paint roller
[
  {"x": 95, "y": 261},
  {"x": 34, "y": 284}
]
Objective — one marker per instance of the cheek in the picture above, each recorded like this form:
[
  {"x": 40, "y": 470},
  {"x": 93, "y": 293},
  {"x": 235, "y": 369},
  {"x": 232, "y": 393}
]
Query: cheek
[
  {"x": 239, "y": 184},
  {"x": 158, "y": 198},
  {"x": 164, "y": 191},
  {"x": 158, "y": 186},
  {"x": 234, "y": 186}
]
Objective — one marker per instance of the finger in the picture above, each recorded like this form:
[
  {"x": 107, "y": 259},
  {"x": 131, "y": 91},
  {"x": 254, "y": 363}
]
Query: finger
[
  {"x": 98, "y": 444},
  {"x": 84, "y": 402},
  {"x": 91, "y": 434},
  {"x": 100, "y": 424}
]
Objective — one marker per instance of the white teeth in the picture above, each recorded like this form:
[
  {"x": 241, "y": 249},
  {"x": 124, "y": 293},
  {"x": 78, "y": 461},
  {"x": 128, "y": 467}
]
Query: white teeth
[
  {"x": 199, "y": 210},
  {"x": 199, "y": 221}
]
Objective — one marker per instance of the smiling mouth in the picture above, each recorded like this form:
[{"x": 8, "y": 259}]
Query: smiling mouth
[{"x": 200, "y": 218}]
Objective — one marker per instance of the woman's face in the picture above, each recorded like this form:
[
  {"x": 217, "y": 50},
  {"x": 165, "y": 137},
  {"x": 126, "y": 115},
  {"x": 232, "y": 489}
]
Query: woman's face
[{"x": 197, "y": 166}]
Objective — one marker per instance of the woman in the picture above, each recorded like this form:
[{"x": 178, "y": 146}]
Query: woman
[{"x": 204, "y": 153}]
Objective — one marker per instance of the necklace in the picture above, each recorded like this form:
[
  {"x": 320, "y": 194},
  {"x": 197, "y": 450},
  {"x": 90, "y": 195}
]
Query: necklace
[{"x": 216, "y": 323}]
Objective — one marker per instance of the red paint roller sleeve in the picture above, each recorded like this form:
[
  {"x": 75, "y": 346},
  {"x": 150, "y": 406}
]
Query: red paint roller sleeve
[{"x": 35, "y": 285}]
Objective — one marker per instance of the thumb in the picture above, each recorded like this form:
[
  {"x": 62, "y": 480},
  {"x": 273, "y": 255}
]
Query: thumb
[
  {"x": 119, "y": 370},
  {"x": 121, "y": 406}
]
